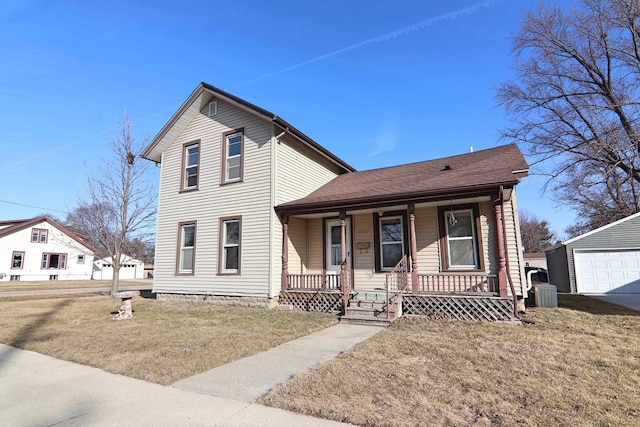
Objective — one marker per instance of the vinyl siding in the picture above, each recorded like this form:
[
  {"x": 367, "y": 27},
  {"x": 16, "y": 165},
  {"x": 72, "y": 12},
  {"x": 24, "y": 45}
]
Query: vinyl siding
[
  {"x": 625, "y": 235},
  {"x": 310, "y": 253},
  {"x": 514, "y": 247},
  {"x": 250, "y": 199},
  {"x": 298, "y": 172},
  {"x": 57, "y": 242}
]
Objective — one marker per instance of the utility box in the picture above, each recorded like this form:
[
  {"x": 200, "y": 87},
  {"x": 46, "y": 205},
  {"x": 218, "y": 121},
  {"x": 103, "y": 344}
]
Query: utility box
[{"x": 546, "y": 296}]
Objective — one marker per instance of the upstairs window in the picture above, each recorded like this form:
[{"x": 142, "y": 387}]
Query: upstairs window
[
  {"x": 232, "y": 156},
  {"x": 229, "y": 253},
  {"x": 186, "y": 248},
  {"x": 190, "y": 166},
  {"x": 52, "y": 261},
  {"x": 17, "y": 260},
  {"x": 39, "y": 235},
  {"x": 460, "y": 242}
]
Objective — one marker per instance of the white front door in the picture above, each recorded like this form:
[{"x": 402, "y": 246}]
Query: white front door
[{"x": 333, "y": 254}]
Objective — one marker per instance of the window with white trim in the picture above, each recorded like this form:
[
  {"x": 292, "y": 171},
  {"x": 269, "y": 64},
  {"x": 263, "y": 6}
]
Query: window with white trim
[
  {"x": 232, "y": 156},
  {"x": 14, "y": 277},
  {"x": 391, "y": 241},
  {"x": 213, "y": 108},
  {"x": 39, "y": 235},
  {"x": 17, "y": 260},
  {"x": 187, "y": 248},
  {"x": 230, "y": 246},
  {"x": 54, "y": 261},
  {"x": 191, "y": 166}
]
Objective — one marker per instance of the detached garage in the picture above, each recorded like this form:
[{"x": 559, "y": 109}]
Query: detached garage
[
  {"x": 130, "y": 268},
  {"x": 605, "y": 260}
]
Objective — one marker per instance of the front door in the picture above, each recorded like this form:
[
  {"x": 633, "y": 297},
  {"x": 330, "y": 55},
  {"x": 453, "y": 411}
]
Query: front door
[{"x": 333, "y": 255}]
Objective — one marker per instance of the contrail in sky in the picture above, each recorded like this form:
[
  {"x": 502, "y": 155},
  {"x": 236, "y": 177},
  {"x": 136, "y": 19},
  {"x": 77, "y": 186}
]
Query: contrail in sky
[{"x": 451, "y": 16}]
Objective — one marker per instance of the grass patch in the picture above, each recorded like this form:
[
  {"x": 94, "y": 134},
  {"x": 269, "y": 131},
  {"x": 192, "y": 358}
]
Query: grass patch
[
  {"x": 163, "y": 343},
  {"x": 578, "y": 366},
  {"x": 66, "y": 284}
]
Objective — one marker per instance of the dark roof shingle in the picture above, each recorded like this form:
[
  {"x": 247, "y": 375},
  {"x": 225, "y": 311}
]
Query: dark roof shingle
[{"x": 480, "y": 169}]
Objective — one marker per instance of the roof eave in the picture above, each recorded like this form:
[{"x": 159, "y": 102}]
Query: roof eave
[{"x": 390, "y": 199}]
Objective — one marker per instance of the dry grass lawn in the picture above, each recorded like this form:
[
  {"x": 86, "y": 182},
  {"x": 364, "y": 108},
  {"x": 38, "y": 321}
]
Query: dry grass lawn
[
  {"x": 162, "y": 343},
  {"x": 579, "y": 366}
]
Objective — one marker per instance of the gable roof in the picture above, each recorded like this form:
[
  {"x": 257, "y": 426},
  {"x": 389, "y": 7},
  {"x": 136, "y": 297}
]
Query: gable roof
[
  {"x": 597, "y": 230},
  {"x": 200, "y": 97},
  {"x": 464, "y": 173},
  {"x": 21, "y": 224}
]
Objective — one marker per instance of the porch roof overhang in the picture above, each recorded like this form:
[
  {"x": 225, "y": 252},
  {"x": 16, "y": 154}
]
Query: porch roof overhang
[
  {"x": 475, "y": 174},
  {"x": 384, "y": 200}
]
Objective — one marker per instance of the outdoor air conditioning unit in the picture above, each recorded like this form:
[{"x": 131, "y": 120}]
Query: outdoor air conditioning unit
[{"x": 546, "y": 296}]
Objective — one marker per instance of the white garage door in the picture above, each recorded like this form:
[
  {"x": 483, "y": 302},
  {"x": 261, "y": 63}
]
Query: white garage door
[{"x": 600, "y": 271}]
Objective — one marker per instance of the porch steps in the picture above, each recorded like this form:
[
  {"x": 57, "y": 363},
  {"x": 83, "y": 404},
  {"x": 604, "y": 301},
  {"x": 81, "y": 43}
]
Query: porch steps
[{"x": 369, "y": 309}]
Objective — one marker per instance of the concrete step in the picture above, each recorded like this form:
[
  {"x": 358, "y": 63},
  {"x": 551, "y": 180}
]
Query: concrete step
[
  {"x": 370, "y": 296},
  {"x": 368, "y": 303},
  {"x": 370, "y": 312},
  {"x": 370, "y": 321}
]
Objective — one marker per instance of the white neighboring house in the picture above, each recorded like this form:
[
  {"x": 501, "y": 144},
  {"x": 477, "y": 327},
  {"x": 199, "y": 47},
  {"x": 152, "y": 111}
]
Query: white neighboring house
[
  {"x": 130, "y": 268},
  {"x": 41, "y": 249}
]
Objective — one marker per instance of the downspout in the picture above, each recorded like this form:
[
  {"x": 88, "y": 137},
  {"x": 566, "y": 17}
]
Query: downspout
[
  {"x": 273, "y": 196},
  {"x": 506, "y": 255}
]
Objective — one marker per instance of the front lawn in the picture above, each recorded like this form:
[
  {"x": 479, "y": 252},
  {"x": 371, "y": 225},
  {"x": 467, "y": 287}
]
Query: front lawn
[
  {"x": 579, "y": 366},
  {"x": 163, "y": 343}
]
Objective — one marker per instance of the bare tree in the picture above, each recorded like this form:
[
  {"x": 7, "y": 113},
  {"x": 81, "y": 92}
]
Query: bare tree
[
  {"x": 575, "y": 106},
  {"x": 535, "y": 232},
  {"x": 120, "y": 204}
]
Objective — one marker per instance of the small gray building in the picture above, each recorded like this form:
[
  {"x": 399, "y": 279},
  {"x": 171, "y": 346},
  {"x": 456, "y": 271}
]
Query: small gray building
[{"x": 604, "y": 260}]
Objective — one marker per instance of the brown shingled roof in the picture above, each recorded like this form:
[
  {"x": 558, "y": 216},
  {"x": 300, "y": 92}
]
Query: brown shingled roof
[{"x": 483, "y": 169}]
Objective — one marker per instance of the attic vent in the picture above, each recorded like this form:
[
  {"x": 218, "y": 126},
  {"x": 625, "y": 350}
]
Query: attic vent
[
  {"x": 213, "y": 108},
  {"x": 446, "y": 168}
]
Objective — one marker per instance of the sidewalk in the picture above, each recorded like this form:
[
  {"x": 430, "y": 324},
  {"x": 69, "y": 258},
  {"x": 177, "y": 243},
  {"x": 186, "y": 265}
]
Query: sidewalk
[
  {"x": 251, "y": 377},
  {"x": 73, "y": 291},
  {"x": 41, "y": 390}
]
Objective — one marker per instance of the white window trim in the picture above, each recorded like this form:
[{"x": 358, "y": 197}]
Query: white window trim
[
  {"x": 187, "y": 166},
  {"x": 182, "y": 249},
  {"x": 473, "y": 238},
  {"x": 228, "y": 157},
  {"x": 380, "y": 219},
  {"x": 225, "y": 245},
  {"x": 213, "y": 108}
]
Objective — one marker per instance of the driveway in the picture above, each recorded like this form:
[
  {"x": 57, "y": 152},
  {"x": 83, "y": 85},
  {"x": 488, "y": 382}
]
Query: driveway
[{"x": 631, "y": 301}]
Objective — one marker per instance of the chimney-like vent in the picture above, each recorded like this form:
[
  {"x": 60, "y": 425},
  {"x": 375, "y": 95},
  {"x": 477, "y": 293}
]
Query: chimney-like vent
[{"x": 446, "y": 168}]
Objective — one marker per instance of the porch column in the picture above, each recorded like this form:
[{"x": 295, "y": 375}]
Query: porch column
[
  {"x": 285, "y": 253},
  {"x": 502, "y": 273},
  {"x": 343, "y": 249},
  {"x": 415, "y": 286}
]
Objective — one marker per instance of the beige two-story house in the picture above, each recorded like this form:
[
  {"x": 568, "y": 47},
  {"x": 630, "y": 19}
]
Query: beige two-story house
[{"x": 250, "y": 209}]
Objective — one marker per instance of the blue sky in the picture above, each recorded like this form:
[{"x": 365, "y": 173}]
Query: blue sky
[{"x": 377, "y": 83}]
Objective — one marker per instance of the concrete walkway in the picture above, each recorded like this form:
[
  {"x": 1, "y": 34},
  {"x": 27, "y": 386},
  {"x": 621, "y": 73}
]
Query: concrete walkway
[
  {"x": 249, "y": 378},
  {"x": 43, "y": 391}
]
